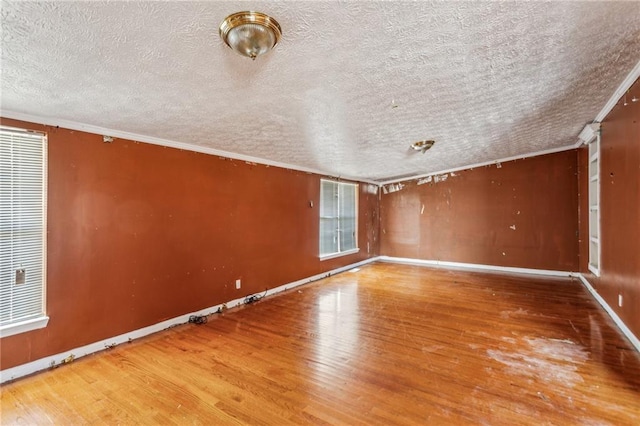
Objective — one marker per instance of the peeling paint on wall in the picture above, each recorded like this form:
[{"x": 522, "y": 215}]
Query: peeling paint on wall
[
  {"x": 435, "y": 178},
  {"x": 394, "y": 187},
  {"x": 480, "y": 203},
  {"x": 370, "y": 189},
  {"x": 441, "y": 178}
]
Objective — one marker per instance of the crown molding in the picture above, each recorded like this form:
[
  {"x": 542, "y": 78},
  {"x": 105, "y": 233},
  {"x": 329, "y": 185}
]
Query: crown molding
[
  {"x": 620, "y": 91},
  {"x": 485, "y": 163},
  {"x": 588, "y": 133},
  {"x": 585, "y": 135},
  {"x": 74, "y": 125}
]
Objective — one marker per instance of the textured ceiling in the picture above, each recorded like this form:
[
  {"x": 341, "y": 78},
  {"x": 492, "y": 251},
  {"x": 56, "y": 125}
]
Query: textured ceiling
[{"x": 350, "y": 86}]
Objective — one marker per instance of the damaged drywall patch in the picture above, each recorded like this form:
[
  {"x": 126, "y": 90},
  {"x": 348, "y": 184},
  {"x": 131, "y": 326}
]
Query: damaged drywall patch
[
  {"x": 513, "y": 227},
  {"x": 434, "y": 179},
  {"x": 440, "y": 178},
  {"x": 392, "y": 187},
  {"x": 370, "y": 189},
  {"x": 422, "y": 181}
]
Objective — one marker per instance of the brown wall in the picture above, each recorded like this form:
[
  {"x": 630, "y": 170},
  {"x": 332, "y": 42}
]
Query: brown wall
[
  {"x": 467, "y": 217},
  {"x": 619, "y": 211},
  {"x": 138, "y": 234}
]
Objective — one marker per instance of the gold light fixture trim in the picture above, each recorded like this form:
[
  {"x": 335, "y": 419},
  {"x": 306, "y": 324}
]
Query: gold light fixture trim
[
  {"x": 423, "y": 146},
  {"x": 250, "y": 33}
]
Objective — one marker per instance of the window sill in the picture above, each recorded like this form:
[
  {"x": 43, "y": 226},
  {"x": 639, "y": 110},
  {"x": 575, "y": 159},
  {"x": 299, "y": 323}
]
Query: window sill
[
  {"x": 342, "y": 253},
  {"x": 24, "y": 326},
  {"x": 594, "y": 270}
]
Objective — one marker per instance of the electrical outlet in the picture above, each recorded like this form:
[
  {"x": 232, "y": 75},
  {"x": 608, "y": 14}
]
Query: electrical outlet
[
  {"x": 238, "y": 284},
  {"x": 620, "y": 300}
]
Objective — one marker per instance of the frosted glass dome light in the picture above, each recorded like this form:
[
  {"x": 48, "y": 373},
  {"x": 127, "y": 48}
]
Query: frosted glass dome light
[{"x": 251, "y": 34}]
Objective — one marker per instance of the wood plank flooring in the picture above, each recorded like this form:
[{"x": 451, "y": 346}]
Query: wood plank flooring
[{"x": 388, "y": 344}]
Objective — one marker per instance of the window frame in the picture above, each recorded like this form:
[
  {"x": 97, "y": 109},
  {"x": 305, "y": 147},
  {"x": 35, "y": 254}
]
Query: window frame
[
  {"x": 356, "y": 202},
  {"x": 591, "y": 136},
  {"x": 42, "y": 320}
]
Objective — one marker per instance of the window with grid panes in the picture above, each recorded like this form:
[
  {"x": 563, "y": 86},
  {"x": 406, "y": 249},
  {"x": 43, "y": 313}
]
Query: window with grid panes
[
  {"x": 22, "y": 230},
  {"x": 338, "y": 218},
  {"x": 594, "y": 204}
]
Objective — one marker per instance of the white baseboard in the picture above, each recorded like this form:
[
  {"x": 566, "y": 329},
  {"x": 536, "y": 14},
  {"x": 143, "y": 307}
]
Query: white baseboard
[
  {"x": 477, "y": 267},
  {"x": 621, "y": 325},
  {"x": 54, "y": 360},
  {"x": 474, "y": 266},
  {"x": 61, "y": 358}
]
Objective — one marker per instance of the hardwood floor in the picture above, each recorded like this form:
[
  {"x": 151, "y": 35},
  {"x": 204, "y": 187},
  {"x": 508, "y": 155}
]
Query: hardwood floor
[{"x": 388, "y": 344}]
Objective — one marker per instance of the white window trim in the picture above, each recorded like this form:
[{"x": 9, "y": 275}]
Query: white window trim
[
  {"x": 328, "y": 256},
  {"x": 590, "y": 135},
  {"x": 24, "y": 326},
  {"x": 42, "y": 321},
  {"x": 339, "y": 254}
]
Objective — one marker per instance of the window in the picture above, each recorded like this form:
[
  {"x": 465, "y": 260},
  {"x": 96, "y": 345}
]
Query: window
[
  {"x": 594, "y": 202},
  {"x": 338, "y": 219},
  {"x": 22, "y": 230}
]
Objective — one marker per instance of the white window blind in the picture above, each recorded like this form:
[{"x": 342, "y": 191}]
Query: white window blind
[
  {"x": 338, "y": 218},
  {"x": 22, "y": 227}
]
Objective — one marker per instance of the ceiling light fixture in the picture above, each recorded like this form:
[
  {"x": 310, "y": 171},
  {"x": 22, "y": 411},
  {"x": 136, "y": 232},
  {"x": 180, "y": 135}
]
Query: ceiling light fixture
[
  {"x": 423, "y": 146},
  {"x": 251, "y": 34}
]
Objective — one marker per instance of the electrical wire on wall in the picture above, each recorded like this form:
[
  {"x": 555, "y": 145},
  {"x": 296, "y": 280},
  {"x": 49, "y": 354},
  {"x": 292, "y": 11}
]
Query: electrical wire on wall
[
  {"x": 254, "y": 297},
  {"x": 198, "y": 319}
]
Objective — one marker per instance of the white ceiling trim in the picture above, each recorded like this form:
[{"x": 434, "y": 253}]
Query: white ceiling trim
[
  {"x": 588, "y": 133},
  {"x": 622, "y": 89},
  {"x": 613, "y": 100},
  {"x": 73, "y": 125},
  {"x": 582, "y": 138},
  {"x": 449, "y": 71},
  {"x": 619, "y": 92},
  {"x": 486, "y": 163}
]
